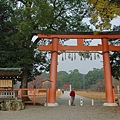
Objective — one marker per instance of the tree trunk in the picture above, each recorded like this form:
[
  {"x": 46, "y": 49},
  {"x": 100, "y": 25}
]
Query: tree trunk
[{"x": 24, "y": 85}]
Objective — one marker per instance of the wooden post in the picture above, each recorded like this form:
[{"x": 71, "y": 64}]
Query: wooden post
[
  {"x": 53, "y": 71},
  {"x": 20, "y": 93},
  {"x": 107, "y": 74},
  {"x": 47, "y": 97},
  {"x": 34, "y": 96},
  {"x": 114, "y": 94},
  {"x": 47, "y": 84}
]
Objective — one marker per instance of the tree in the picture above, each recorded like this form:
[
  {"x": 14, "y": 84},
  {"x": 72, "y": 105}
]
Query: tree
[
  {"x": 62, "y": 78},
  {"x": 115, "y": 64},
  {"x": 6, "y": 27},
  {"x": 115, "y": 56},
  {"x": 78, "y": 80},
  {"x": 93, "y": 76},
  {"x": 26, "y": 16},
  {"x": 75, "y": 79},
  {"x": 17, "y": 47},
  {"x": 102, "y": 12}
]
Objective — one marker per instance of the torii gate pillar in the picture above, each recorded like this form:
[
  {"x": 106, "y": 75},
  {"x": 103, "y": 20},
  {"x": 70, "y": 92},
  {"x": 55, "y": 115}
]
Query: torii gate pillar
[
  {"x": 107, "y": 75},
  {"x": 53, "y": 73}
]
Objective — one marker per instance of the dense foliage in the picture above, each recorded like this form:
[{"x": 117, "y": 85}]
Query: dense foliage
[
  {"x": 79, "y": 80},
  {"x": 115, "y": 56},
  {"x": 102, "y": 12},
  {"x": 18, "y": 20}
]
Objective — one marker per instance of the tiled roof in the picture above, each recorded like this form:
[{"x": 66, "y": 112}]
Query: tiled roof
[{"x": 10, "y": 72}]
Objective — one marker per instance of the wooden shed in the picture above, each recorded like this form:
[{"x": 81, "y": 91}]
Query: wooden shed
[{"x": 7, "y": 75}]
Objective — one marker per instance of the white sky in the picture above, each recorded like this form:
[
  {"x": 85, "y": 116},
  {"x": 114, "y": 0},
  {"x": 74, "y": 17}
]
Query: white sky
[{"x": 83, "y": 66}]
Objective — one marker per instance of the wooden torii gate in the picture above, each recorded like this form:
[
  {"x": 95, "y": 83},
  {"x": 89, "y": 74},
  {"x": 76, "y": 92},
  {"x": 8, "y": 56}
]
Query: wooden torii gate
[{"x": 54, "y": 47}]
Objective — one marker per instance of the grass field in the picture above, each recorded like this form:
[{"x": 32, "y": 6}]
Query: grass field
[{"x": 93, "y": 95}]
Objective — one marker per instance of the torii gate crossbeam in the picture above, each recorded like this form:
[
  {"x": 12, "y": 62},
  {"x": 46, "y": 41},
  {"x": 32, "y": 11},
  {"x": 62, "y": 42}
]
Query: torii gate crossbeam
[{"x": 55, "y": 47}]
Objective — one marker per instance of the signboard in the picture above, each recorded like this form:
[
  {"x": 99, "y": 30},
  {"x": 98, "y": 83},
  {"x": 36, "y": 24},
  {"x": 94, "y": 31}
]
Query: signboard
[
  {"x": 47, "y": 84},
  {"x": 6, "y": 83}
]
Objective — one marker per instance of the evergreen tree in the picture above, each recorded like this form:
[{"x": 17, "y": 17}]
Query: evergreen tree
[
  {"x": 19, "y": 18},
  {"x": 115, "y": 56}
]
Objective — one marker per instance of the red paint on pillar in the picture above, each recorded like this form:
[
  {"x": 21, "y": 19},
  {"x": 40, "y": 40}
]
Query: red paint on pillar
[
  {"x": 107, "y": 72},
  {"x": 53, "y": 71}
]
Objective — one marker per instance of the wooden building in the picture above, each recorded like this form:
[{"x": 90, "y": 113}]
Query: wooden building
[
  {"x": 7, "y": 75},
  {"x": 7, "y": 78}
]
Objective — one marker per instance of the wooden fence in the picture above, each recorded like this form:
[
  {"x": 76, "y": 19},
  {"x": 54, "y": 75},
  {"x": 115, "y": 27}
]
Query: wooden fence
[
  {"x": 7, "y": 94},
  {"x": 36, "y": 96},
  {"x": 116, "y": 92}
]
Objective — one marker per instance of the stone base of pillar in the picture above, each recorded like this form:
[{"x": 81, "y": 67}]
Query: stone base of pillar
[
  {"x": 51, "y": 104},
  {"x": 110, "y": 104}
]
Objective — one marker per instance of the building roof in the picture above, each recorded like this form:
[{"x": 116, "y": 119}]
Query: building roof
[{"x": 6, "y": 73}]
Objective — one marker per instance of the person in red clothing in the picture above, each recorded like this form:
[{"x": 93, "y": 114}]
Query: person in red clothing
[{"x": 72, "y": 95}]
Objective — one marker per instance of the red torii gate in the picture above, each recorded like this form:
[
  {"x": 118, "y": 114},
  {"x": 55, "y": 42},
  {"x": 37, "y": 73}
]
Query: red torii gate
[
  {"x": 66, "y": 87},
  {"x": 54, "y": 47}
]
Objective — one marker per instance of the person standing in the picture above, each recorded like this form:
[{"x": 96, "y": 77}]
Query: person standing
[
  {"x": 62, "y": 91},
  {"x": 72, "y": 95}
]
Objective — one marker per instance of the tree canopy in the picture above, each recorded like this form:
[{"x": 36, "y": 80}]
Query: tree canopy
[
  {"x": 102, "y": 12},
  {"x": 78, "y": 80},
  {"x": 19, "y": 18},
  {"x": 115, "y": 56}
]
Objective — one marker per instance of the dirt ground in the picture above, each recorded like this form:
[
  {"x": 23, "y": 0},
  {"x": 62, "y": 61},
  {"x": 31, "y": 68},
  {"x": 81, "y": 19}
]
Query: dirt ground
[{"x": 88, "y": 111}]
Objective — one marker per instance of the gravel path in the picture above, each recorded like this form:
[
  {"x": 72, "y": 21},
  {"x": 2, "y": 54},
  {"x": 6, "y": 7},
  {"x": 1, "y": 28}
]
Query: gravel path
[{"x": 64, "y": 111}]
